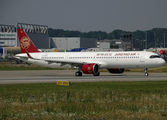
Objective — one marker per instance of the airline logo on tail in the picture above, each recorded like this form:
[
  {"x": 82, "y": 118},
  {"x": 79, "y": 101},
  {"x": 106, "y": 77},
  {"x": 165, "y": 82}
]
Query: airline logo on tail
[{"x": 26, "y": 44}]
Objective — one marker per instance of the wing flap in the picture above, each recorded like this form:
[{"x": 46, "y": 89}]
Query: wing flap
[{"x": 72, "y": 63}]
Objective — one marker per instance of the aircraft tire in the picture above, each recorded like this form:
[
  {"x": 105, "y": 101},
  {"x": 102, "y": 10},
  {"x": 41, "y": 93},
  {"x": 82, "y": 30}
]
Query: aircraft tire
[
  {"x": 146, "y": 74},
  {"x": 97, "y": 74},
  {"x": 78, "y": 73}
]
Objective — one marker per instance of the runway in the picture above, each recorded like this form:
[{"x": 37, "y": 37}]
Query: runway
[{"x": 51, "y": 76}]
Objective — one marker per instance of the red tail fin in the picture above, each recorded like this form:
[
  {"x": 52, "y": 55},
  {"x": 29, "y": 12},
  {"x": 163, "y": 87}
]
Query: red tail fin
[{"x": 25, "y": 42}]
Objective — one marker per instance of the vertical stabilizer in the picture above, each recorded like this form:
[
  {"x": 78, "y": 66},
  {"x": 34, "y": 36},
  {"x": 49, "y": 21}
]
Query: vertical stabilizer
[{"x": 25, "y": 42}]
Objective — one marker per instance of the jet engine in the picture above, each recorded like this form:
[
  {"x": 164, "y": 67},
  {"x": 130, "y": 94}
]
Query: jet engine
[
  {"x": 163, "y": 52},
  {"x": 91, "y": 68},
  {"x": 116, "y": 70}
]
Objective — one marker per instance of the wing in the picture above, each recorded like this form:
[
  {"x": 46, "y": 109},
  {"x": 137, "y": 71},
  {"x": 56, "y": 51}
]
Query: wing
[{"x": 62, "y": 62}]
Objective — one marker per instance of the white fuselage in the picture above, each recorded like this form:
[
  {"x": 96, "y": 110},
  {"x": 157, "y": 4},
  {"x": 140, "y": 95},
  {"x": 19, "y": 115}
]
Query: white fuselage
[{"x": 105, "y": 60}]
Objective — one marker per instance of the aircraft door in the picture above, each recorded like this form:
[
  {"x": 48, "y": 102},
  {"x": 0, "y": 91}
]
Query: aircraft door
[
  {"x": 142, "y": 57},
  {"x": 94, "y": 58},
  {"x": 67, "y": 57}
]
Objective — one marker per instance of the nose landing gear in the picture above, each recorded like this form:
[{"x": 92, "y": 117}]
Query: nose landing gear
[{"x": 146, "y": 74}]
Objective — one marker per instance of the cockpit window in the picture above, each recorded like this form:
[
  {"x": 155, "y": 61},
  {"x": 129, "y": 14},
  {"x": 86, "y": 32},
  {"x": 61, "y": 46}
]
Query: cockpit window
[{"x": 154, "y": 56}]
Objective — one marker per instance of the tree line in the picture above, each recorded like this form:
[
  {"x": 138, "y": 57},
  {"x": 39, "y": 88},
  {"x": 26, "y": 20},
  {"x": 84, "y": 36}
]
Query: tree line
[{"x": 155, "y": 36}]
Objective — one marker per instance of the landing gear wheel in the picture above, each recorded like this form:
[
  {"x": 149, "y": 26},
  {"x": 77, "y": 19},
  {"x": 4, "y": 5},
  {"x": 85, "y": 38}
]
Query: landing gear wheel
[
  {"x": 78, "y": 73},
  {"x": 97, "y": 74},
  {"x": 146, "y": 74}
]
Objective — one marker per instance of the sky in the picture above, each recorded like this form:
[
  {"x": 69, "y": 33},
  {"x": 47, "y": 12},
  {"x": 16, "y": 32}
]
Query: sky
[{"x": 86, "y": 15}]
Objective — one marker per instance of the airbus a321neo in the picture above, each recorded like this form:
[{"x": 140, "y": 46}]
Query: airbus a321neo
[{"x": 88, "y": 62}]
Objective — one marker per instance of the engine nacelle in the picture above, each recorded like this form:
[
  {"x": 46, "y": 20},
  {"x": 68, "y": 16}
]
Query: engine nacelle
[
  {"x": 91, "y": 68},
  {"x": 116, "y": 70},
  {"x": 162, "y": 52}
]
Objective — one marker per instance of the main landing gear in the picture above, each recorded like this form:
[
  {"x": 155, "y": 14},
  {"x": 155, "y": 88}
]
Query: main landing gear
[
  {"x": 146, "y": 74},
  {"x": 78, "y": 73},
  {"x": 87, "y": 71},
  {"x": 97, "y": 74}
]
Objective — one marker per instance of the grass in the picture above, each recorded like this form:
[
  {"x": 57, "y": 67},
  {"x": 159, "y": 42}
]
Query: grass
[
  {"x": 99, "y": 100},
  {"x": 162, "y": 69},
  {"x": 12, "y": 66},
  {"x": 102, "y": 100},
  {"x": 159, "y": 69}
]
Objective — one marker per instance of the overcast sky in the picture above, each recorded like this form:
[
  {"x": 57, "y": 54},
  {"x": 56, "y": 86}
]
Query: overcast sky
[{"x": 86, "y": 15}]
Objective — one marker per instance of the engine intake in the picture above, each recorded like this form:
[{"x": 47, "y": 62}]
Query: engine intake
[
  {"x": 116, "y": 70},
  {"x": 91, "y": 68}
]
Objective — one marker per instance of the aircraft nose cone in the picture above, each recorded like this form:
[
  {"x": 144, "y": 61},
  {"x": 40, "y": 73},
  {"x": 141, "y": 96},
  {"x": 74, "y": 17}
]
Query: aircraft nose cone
[{"x": 163, "y": 62}]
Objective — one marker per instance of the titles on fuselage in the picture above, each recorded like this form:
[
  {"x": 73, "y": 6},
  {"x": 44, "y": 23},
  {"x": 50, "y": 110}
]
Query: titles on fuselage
[
  {"x": 125, "y": 54},
  {"x": 104, "y": 54},
  {"x": 118, "y": 54}
]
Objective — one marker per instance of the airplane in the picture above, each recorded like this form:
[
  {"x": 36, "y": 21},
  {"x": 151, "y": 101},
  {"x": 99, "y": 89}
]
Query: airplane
[{"x": 88, "y": 62}]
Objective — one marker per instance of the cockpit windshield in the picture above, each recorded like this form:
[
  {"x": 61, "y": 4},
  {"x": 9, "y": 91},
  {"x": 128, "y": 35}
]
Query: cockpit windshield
[{"x": 154, "y": 56}]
